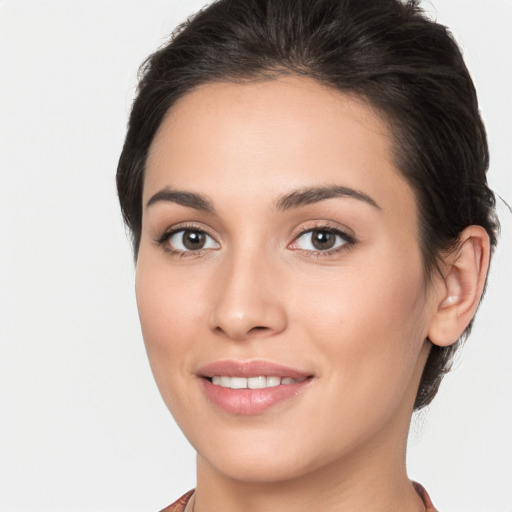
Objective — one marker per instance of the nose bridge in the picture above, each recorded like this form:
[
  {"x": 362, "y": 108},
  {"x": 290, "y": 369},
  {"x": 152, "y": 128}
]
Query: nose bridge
[{"x": 247, "y": 300}]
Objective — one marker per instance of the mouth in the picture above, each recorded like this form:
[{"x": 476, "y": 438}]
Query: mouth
[
  {"x": 259, "y": 382},
  {"x": 251, "y": 387}
]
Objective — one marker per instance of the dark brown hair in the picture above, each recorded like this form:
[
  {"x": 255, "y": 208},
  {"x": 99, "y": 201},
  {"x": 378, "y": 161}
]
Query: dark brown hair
[{"x": 388, "y": 52}]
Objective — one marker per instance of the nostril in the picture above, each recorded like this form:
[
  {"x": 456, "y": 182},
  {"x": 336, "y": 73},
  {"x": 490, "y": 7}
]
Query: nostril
[
  {"x": 242, "y": 334},
  {"x": 259, "y": 328}
]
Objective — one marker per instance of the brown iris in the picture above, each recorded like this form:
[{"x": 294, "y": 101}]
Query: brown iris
[
  {"x": 193, "y": 240},
  {"x": 323, "y": 240}
]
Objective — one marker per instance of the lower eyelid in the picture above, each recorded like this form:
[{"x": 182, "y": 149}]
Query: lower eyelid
[
  {"x": 323, "y": 254},
  {"x": 347, "y": 239}
]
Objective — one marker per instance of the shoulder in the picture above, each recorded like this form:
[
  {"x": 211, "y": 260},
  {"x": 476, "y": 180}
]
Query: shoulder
[{"x": 180, "y": 504}]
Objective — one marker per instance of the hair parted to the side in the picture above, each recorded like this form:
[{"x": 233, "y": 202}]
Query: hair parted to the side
[{"x": 389, "y": 53}]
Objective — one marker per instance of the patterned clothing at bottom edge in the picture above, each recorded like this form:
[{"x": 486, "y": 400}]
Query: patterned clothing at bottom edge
[{"x": 179, "y": 505}]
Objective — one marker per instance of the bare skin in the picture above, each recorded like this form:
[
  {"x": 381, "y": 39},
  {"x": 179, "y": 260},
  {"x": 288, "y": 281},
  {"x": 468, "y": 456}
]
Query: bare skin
[{"x": 242, "y": 265}]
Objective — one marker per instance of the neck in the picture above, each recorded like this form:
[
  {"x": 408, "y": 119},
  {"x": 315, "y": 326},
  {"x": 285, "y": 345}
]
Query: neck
[{"x": 375, "y": 480}]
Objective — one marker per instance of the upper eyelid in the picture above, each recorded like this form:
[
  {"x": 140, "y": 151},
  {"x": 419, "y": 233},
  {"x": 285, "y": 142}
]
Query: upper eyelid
[
  {"x": 345, "y": 236},
  {"x": 185, "y": 226},
  {"x": 323, "y": 226},
  {"x": 188, "y": 226}
]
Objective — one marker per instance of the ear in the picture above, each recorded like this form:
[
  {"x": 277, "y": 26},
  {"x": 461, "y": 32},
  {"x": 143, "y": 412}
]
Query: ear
[{"x": 461, "y": 288}]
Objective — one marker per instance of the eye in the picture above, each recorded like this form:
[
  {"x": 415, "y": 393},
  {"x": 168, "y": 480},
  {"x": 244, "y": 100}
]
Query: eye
[
  {"x": 321, "y": 240},
  {"x": 187, "y": 240}
]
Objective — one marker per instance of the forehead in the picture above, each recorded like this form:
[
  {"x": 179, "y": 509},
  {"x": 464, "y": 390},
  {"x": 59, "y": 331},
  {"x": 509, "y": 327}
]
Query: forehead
[{"x": 264, "y": 138}]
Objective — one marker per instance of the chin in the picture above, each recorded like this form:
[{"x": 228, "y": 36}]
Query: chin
[
  {"x": 258, "y": 467},
  {"x": 261, "y": 456}
]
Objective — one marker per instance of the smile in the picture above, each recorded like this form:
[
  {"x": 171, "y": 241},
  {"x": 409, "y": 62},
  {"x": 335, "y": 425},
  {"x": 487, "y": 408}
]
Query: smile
[
  {"x": 260, "y": 382},
  {"x": 251, "y": 387}
]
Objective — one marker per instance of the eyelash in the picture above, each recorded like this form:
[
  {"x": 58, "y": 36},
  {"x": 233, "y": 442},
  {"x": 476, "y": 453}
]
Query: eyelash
[
  {"x": 349, "y": 241},
  {"x": 163, "y": 241}
]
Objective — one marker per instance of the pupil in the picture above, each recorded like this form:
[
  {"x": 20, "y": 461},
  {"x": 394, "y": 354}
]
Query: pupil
[
  {"x": 193, "y": 240},
  {"x": 323, "y": 240}
]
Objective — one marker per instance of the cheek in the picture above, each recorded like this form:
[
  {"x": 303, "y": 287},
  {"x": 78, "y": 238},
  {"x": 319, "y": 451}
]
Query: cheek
[
  {"x": 170, "y": 314},
  {"x": 168, "y": 302},
  {"x": 369, "y": 327}
]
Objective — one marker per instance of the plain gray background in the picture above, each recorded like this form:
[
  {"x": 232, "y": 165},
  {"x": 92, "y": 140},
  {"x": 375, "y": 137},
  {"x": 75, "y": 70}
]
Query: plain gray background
[{"x": 82, "y": 427}]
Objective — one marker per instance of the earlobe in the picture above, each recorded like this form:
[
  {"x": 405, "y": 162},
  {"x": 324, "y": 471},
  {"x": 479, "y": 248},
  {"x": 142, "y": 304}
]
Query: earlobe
[{"x": 462, "y": 286}]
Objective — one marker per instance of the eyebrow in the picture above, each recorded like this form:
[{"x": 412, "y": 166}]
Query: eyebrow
[
  {"x": 188, "y": 199},
  {"x": 305, "y": 196},
  {"x": 295, "y": 199}
]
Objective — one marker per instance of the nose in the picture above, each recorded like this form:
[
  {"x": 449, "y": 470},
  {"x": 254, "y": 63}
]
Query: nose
[{"x": 248, "y": 303}]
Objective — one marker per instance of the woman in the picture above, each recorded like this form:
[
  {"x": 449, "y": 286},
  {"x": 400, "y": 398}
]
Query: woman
[{"x": 305, "y": 185}]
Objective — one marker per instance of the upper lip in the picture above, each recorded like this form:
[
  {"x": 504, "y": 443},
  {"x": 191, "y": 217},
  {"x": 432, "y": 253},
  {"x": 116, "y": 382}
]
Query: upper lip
[{"x": 256, "y": 368}]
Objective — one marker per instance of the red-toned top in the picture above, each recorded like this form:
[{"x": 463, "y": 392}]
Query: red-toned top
[
  {"x": 179, "y": 506},
  {"x": 429, "y": 507}
]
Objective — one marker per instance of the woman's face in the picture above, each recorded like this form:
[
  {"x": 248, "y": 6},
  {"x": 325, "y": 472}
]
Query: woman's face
[{"x": 279, "y": 280}]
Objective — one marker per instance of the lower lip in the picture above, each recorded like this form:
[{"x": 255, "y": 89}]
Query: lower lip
[{"x": 251, "y": 401}]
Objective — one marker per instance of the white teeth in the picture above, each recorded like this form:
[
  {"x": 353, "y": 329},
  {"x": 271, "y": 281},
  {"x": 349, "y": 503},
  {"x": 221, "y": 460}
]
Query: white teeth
[
  {"x": 238, "y": 383},
  {"x": 225, "y": 381},
  {"x": 256, "y": 382},
  {"x": 222, "y": 381},
  {"x": 273, "y": 382},
  {"x": 259, "y": 382}
]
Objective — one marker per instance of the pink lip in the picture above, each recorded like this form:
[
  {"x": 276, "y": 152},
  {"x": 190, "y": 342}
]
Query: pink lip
[
  {"x": 250, "y": 401},
  {"x": 250, "y": 369}
]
